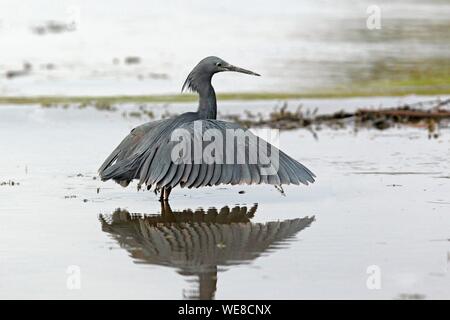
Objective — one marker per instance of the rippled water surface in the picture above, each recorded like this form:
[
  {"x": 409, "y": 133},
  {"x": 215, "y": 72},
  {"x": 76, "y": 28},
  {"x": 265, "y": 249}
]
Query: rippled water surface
[{"x": 381, "y": 199}]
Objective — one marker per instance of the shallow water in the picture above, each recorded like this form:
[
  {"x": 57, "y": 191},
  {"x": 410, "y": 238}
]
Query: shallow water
[
  {"x": 381, "y": 198},
  {"x": 297, "y": 46}
]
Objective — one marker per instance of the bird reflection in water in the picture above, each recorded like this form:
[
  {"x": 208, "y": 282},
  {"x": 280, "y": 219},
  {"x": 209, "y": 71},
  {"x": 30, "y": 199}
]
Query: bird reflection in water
[{"x": 199, "y": 243}]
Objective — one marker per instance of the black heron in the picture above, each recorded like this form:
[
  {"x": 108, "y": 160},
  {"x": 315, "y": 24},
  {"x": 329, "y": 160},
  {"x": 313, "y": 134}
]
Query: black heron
[{"x": 146, "y": 154}]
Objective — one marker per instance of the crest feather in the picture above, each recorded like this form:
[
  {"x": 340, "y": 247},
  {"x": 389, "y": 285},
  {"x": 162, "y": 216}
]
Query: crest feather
[{"x": 190, "y": 83}]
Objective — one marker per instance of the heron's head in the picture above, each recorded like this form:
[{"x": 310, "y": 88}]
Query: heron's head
[{"x": 205, "y": 69}]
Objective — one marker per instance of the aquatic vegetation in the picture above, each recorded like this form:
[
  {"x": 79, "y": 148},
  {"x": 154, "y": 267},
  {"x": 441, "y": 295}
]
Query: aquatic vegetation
[
  {"x": 391, "y": 87},
  {"x": 429, "y": 115},
  {"x": 135, "y": 114},
  {"x": 104, "y": 106},
  {"x": 388, "y": 76}
]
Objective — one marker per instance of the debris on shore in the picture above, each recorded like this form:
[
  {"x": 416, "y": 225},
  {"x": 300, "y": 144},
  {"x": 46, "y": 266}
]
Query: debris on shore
[{"x": 429, "y": 115}]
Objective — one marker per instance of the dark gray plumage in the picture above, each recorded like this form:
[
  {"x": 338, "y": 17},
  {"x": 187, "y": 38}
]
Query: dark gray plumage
[{"x": 145, "y": 154}]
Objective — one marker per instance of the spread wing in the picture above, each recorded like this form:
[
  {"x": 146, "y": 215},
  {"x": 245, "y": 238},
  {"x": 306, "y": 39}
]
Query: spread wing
[{"x": 147, "y": 154}]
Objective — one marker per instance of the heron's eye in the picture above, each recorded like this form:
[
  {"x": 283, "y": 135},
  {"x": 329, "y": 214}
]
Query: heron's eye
[{"x": 218, "y": 64}]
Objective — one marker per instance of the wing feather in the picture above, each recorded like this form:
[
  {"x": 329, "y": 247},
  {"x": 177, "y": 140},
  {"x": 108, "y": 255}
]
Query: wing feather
[{"x": 145, "y": 155}]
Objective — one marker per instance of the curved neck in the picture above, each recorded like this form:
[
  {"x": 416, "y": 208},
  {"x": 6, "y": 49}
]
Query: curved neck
[{"x": 207, "y": 107}]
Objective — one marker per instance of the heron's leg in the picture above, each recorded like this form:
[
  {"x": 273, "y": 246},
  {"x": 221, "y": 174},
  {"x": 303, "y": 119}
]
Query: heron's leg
[
  {"x": 166, "y": 210},
  {"x": 161, "y": 195},
  {"x": 167, "y": 191}
]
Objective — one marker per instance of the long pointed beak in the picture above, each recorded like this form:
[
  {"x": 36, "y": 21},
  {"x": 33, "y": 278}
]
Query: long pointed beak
[{"x": 241, "y": 70}]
